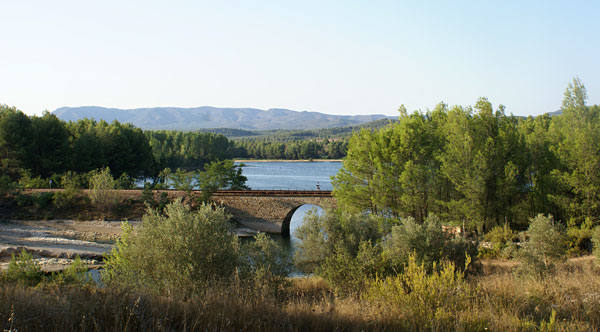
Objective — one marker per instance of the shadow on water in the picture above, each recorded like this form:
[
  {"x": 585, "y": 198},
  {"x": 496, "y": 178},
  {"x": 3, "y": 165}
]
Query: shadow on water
[{"x": 289, "y": 244}]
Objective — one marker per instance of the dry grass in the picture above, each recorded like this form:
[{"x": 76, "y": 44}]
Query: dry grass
[{"x": 499, "y": 302}]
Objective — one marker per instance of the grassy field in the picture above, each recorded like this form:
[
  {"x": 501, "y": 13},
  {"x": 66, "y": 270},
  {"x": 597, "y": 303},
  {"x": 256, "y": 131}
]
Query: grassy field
[{"x": 496, "y": 300}]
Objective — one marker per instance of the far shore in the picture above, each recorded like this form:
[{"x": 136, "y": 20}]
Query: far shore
[{"x": 283, "y": 160}]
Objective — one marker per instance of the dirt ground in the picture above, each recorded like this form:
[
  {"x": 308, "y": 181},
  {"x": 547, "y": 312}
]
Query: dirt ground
[{"x": 55, "y": 242}]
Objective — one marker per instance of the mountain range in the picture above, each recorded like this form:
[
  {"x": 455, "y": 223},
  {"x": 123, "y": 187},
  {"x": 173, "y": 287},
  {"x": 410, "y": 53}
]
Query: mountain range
[{"x": 176, "y": 118}]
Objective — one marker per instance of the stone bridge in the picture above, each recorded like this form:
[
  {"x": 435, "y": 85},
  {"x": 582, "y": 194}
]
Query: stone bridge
[
  {"x": 263, "y": 210},
  {"x": 270, "y": 210}
]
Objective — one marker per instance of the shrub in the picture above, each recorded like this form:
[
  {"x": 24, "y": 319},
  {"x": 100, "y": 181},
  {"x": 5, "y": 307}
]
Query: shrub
[
  {"x": 43, "y": 201},
  {"x": 102, "y": 187},
  {"x": 579, "y": 238},
  {"x": 269, "y": 264},
  {"x": 24, "y": 270},
  {"x": 73, "y": 274},
  {"x": 66, "y": 198},
  {"x": 545, "y": 247},
  {"x": 28, "y": 182},
  {"x": 179, "y": 252},
  {"x": 341, "y": 247},
  {"x": 334, "y": 232},
  {"x": 125, "y": 182},
  {"x": 71, "y": 193},
  {"x": 502, "y": 240},
  {"x": 427, "y": 242},
  {"x": 426, "y": 298},
  {"x": 348, "y": 274}
]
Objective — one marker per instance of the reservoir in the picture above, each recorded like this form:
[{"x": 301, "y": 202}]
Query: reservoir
[{"x": 282, "y": 175}]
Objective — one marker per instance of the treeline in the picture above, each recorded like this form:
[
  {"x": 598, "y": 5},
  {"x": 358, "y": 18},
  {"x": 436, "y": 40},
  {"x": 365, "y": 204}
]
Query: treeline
[
  {"x": 479, "y": 166},
  {"x": 42, "y": 148},
  {"x": 174, "y": 149},
  {"x": 299, "y": 149},
  {"x": 327, "y": 143},
  {"x": 45, "y": 145}
]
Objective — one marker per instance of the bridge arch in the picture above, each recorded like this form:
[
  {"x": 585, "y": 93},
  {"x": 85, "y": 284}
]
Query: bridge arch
[
  {"x": 270, "y": 210},
  {"x": 285, "y": 224}
]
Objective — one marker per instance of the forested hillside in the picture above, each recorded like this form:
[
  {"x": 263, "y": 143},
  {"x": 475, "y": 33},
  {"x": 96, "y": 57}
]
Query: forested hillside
[{"x": 176, "y": 118}]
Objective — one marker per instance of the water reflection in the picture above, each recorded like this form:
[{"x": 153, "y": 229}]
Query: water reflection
[{"x": 289, "y": 244}]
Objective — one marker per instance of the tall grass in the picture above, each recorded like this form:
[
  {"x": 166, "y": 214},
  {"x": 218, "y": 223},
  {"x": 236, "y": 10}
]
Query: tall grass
[{"x": 568, "y": 300}]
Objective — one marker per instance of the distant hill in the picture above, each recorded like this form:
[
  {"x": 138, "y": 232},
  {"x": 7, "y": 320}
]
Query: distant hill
[
  {"x": 212, "y": 117},
  {"x": 555, "y": 113},
  {"x": 297, "y": 134}
]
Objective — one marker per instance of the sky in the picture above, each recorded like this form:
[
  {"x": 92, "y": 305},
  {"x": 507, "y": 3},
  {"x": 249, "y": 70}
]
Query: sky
[{"x": 336, "y": 57}]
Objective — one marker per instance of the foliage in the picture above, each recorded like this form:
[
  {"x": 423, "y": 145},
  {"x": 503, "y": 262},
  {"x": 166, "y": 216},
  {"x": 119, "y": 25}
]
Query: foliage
[
  {"x": 478, "y": 166},
  {"x": 75, "y": 273},
  {"x": 27, "y": 182},
  {"x": 291, "y": 146},
  {"x": 269, "y": 264},
  {"x": 427, "y": 242},
  {"x": 348, "y": 249},
  {"x": 340, "y": 247},
  {"x": 24, "y": 270},
  {"x": 545, "y": 247},
  {"x": 182, "y": 180},
  {"x": 579, "y": 238},
  {"x": 173, "y": 149},
  {"x": 175, "y": 253},
  {"x": 502, "y": 240},
  {"x": 426, "y": 298},
  {"x": 102, "y": 189}
]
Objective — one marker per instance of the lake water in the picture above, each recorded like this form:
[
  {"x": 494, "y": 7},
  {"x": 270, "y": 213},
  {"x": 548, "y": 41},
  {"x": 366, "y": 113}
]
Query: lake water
[{"x": 290, "y": 175}]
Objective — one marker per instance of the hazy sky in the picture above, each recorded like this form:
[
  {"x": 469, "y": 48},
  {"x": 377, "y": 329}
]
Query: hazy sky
[{"x": 344, "y": 57}]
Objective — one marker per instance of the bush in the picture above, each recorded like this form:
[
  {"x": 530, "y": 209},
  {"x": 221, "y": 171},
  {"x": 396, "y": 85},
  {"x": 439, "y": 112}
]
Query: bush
[
  {"x": 42, "y": 201},
  {"x": 28, "y": 182},
  {"x": 545, "y": 247},
  {"x": 71, "y": 193},
  {"x": 73, "y": 274},
  {"x": 348, "y": 274},
  {"x": 269, "y": 264},
  {"x": 579, "y": 238},
  {"x": 334, "y": 232},
  {"x": 24, "y": 270},
  {"x": 102, "y": 187},
  {"x": 429, "y": 300},
  {"x": 350, "y": 249},
  {"x": 182, "y": 252},
  {"x": 427, "y": 242},
  {"x": 125, "y": 182},
  {"x": 66, "y": 198},
  {"x": 502, "y": 240}
]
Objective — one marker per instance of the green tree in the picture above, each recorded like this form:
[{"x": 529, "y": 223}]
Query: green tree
[{"x": 576, "y": 135}]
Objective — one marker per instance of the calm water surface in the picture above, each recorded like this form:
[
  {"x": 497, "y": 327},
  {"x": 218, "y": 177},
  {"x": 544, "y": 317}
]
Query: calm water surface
[{"x": 290, "y": 175}]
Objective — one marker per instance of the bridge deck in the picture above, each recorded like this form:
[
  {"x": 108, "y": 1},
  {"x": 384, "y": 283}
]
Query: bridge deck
[
  {"x": 280, "y": 193},
  {"x": 264, "y": 193}
]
